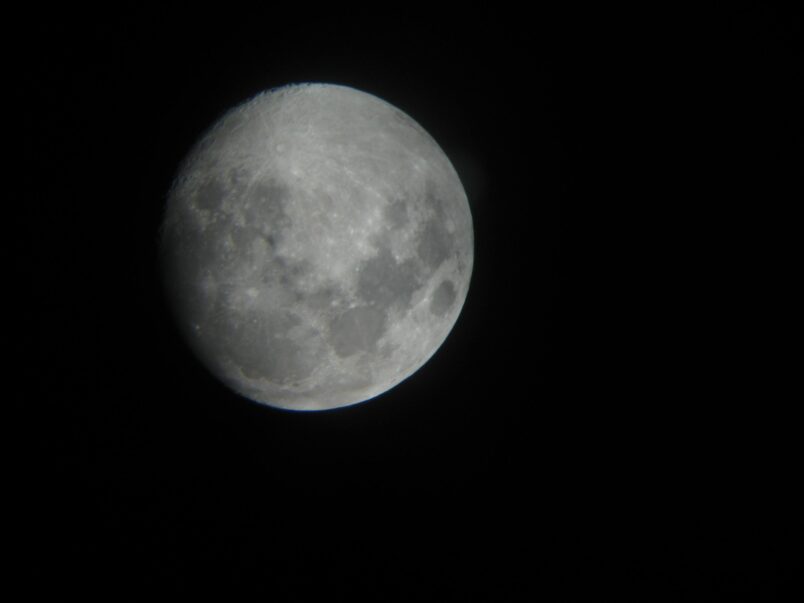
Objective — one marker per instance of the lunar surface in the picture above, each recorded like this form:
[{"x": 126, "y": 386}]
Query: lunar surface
[{"x": 317, "y": 247}]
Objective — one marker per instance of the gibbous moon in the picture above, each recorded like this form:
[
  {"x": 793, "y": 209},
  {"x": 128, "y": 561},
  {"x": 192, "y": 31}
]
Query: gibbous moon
[{"x": 317, "y": 247}]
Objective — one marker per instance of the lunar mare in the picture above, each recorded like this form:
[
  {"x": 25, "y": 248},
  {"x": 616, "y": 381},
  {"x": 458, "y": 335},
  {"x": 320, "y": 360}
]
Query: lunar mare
[{"x": 317, "y": 247}]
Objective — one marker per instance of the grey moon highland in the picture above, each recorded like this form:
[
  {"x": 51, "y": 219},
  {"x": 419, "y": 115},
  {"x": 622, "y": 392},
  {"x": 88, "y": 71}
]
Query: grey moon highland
[{"x": 316, "y": 247}]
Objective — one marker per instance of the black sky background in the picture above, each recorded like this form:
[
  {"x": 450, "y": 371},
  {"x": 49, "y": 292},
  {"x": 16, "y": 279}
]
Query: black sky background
[{"x": 606, "y": 421}]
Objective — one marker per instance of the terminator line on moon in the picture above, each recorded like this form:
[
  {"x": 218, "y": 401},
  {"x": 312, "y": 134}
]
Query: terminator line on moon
[{"x": 317, "y": 247}]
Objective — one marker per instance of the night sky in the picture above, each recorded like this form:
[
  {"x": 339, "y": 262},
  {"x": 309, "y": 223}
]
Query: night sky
[{"x": 605, "y": 422}]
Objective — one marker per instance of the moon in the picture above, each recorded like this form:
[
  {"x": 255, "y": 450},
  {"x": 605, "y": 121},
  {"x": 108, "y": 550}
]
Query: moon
[{"x": 316, "y": 246}]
